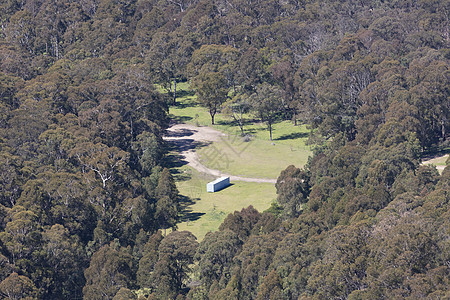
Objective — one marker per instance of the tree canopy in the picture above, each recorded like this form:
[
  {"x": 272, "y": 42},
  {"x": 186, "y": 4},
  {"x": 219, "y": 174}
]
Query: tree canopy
[{"x": 86, "y": 186}]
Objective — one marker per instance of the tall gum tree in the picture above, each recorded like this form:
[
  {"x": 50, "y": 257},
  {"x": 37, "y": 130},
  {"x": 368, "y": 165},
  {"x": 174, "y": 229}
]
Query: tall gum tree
[
  {"x": 211, "y": 91},
  {"x": 267, "y": 103}
]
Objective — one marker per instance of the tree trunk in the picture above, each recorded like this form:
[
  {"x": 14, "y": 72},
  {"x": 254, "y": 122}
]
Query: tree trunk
[
  {"x": 169, "y": 92},
  {"x": 212, "y": 112},
  {"x": 242, "y": 128},
  {"x": 241, "y": 123},
  {"x": 174, "y": 92},
  {"x": 270, "y": 130}
]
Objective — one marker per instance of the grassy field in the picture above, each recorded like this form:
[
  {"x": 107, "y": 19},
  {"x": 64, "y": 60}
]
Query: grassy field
[
  {"x": 189, "y": 111},
  {"x": 203, "y": 212},
  {"x": 258, "y": 158},
  {"x": 439, "y": 161}
]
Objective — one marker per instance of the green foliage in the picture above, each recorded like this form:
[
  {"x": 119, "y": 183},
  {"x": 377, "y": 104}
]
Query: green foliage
[
  {"x": 271, "y": 288},
  {"x": 149, "y": 150},
  {"x": 237, "y": 108},
  {"x": 176, "y": 255},
  {"x": 241, "y": 222},
  {"x": 215, "y": 255},
  {"x": 16, "y": 286},
  {"x": 211, "y": 91},
  {"x": 109, "y": 270},
  {"x": 66, "y": 260},
  {"x": 293, "y": 190},
  {"x": 82, "y": 157},
  {"x": 148, "y": 260},
  {"x": 167, "y": 200},
  {"x": 267, "y": 103},
  {"x": 124, "y": 294}
]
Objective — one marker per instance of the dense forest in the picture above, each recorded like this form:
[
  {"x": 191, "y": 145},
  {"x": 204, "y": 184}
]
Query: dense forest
[{"x": 86, "y": 193}]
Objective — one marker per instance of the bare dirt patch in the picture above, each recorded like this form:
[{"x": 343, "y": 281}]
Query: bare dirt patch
[
  {"x": 187, "y": 138},
  {"x": 437, "y": 161}
]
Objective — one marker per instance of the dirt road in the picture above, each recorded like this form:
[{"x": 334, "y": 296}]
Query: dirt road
[
  {"x": 187, "y": 138},
  {"x": 434, "y": 160}
]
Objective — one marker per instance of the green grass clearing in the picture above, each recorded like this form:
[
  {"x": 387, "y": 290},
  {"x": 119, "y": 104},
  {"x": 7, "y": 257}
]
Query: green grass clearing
[
  {"x": 189, "y": 111},
  {"x": 208, "y": 210},
  {"x": 439, "y": 161},
  {"x": 258, "y": 158}
]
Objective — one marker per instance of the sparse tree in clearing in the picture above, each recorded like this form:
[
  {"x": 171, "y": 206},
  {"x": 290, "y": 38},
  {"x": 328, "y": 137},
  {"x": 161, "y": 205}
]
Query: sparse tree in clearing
[
  {"x": 237, "y": 107},
  {"x": 211, "y": 91},
  {"x": 167, "y": 58},
  {"x": 267, "y": 103}
]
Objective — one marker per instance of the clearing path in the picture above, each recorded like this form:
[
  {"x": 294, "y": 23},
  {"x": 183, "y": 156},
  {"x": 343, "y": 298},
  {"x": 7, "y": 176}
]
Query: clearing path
[
  {"x": 189, "y": 137},
  {"x": 437, "y": 161}
]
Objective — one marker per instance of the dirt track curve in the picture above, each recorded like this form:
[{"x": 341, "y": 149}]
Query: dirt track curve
[
  {"x": 187, "y": 138},
  {"x": 433, "y": 160}
]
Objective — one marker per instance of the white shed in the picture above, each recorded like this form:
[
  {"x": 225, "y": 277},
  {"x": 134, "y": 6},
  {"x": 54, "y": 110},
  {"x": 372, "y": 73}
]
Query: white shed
[{"x": 218, "y": 184}]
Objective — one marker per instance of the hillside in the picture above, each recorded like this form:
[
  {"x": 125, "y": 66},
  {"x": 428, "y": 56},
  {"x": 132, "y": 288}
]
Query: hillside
[{"x": 88, "y": 191}]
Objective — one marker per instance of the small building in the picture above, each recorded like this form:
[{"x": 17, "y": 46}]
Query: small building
[{"x": 218, "y": 184}]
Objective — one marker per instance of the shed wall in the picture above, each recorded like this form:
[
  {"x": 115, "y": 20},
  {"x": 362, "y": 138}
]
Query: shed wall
[{"x": 218, "y": 184}]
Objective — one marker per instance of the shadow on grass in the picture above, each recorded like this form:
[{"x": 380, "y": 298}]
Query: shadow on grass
[
  {"x": 222, "y": 189},
  {"x": 215, "y": 214},
  {"x": 186, "y": 213},
  {"x": 254, "y": 131},
  {"x": 174, "y": 160},
  {"x": 184, "y": 103},
  {"x": 180, "y": 119},
  {"x": 435, "y": 152},
  {"x": 180, "y": 133},
  {"x": 185, "y": 93},
  {"x": 226, "y": 122},
  {"x": 245, "y": 123},
  {"x": 292, "y": 136}
]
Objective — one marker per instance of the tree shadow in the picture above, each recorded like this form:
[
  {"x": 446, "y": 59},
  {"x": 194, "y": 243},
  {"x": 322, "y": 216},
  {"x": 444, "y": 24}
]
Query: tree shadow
[
  {"x": 185, "y": 93},
  {"x": 186, "y": 212},
  {"x": 435, "y": 152},
  {"x": 180, "y": 133},
  {"x": 174, "y": 160},
  {"x": 251, "y": 121},
  {"x": 226, "y": 122},
  {"x": 292, "y": 136},
  {"x": 173, "y": 163},
  {"x": 187, "y": 144},
  {"x": 255, "y": 130},
  {"x": 185, "y": 103},
  {"x": 232, "y": 122},
  {"x": 180, "y": 119}
]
